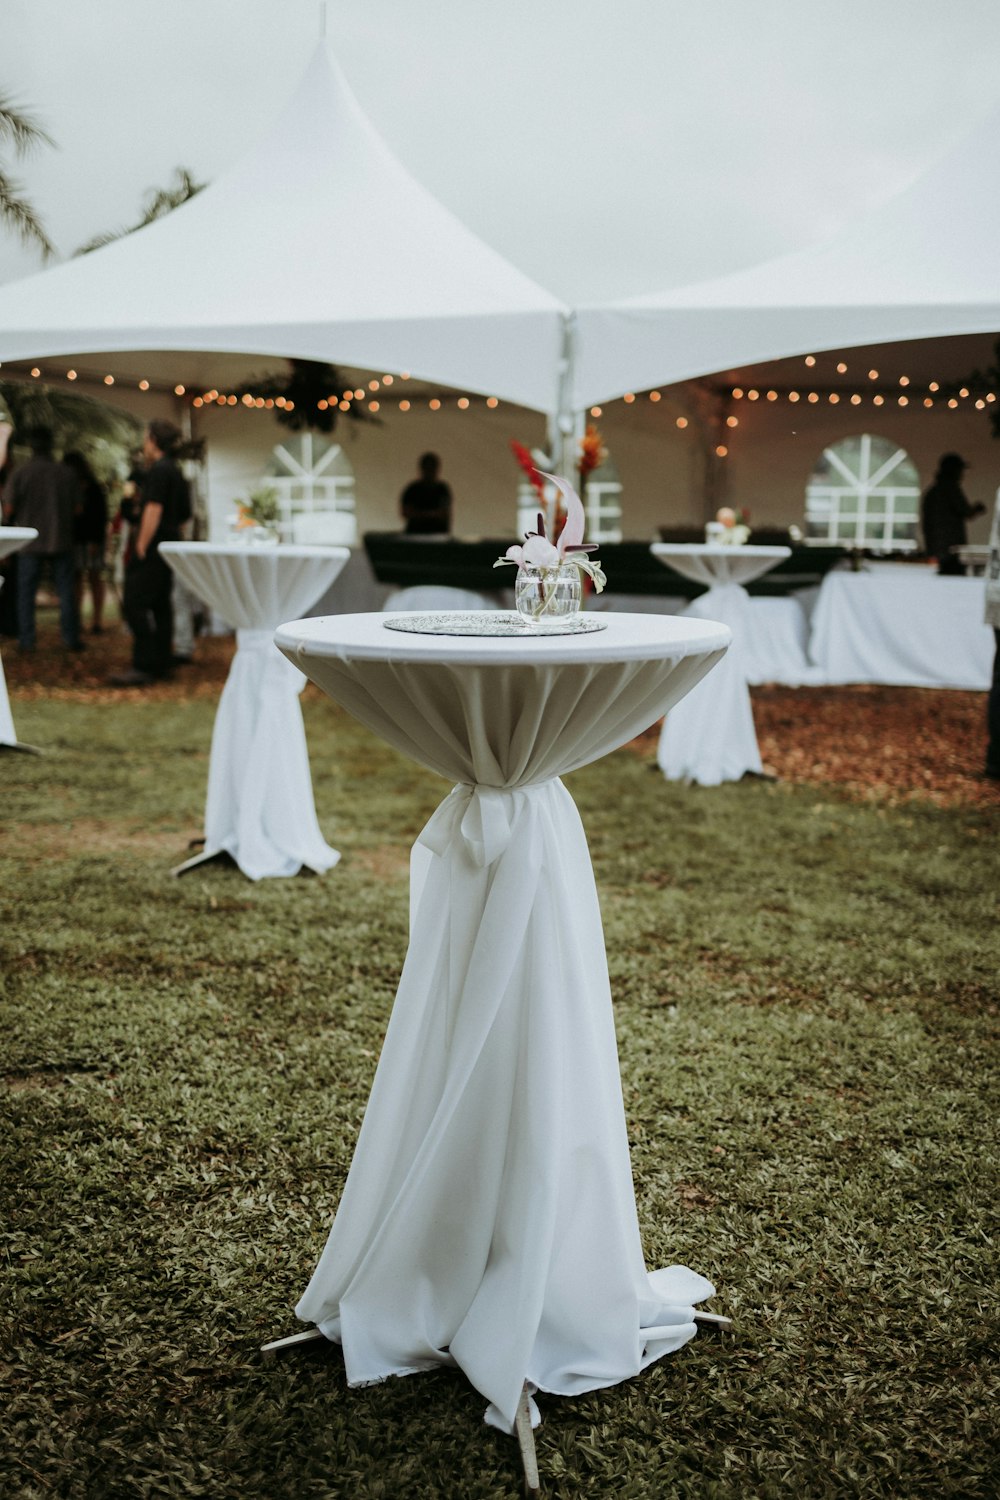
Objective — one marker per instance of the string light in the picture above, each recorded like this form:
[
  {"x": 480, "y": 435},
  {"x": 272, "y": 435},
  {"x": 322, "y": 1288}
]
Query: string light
[
  {"x": 178, "y": 390},
  {"x": 344, "y": 405},
  {"x": 682, "y": 422},
  {"x": 933, "y": 386},
  {"x": 629, "y": 397},
  {"x": 404, "y": 406},
  {"x": 952, "y": 403},
  {"x": 721, "y": 451},
  {"x": 463, "y": 403},
  {"x": 654, "y": 395},
  {"x": 387, "y": 380},
  {"x": 963, "y": 392},
  {"x": 834, "y": 398},
  {"x": 373, "y": 385},
  {"x": 109, "y": 380},
  {"x": 928, "y": 401},
  {"x": 877, "y": 400},
  {"x": 197, "y": 401},
  {"x": 323, "y": 405},
  {"x": 35, "y": 372},
  {"x": 841, "y": 369},
  {"x": 597, "y": 411},
  {"x": 772, "y": 395},
  {"x": 794, "y": 396},
  {"x": 810, "y": 360},
  {"x": 753, "y": 395},
  {"x": 373, "y": 406},
  {"x": 434, "y": 405},
  {"x": 737, "y": 393},
  {"x": 732, "y": 421},
  {"x": 903, "y": 400},
  {"x": 359, "y": 395},
  {"x": 492, "y": 402},
  {"x": 872, "y": 374},
  {"x": 812, "y": 396},
  {"x": 855, "y": 399},
  {"x": 70, "y": 374}
]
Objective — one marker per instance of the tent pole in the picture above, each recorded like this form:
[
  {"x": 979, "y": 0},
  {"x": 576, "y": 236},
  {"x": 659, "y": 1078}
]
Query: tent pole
[{"x": 563, "y": 421}]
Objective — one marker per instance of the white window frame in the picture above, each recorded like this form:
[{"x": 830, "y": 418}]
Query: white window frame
[{"x": 897, "y": 504}]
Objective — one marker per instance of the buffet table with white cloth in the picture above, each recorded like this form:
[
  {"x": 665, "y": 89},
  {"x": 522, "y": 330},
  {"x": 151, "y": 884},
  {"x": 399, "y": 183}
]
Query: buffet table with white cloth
[
  {"x": 710, "y": 737},
  {"x": 904, "y": 625},
  {"x": 489, "y": 1218},
  {"x": 259, "y": 808},
  {"x": 12, "y": 539}
]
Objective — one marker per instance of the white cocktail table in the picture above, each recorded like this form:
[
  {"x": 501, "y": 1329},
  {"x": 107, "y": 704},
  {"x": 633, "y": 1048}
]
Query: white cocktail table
[
  {"x": 489, "y": 1218},
  {"x": 259, "y": 809},
  {"x": 12, "y": 539},
  {"x": 710, "y": 738}
]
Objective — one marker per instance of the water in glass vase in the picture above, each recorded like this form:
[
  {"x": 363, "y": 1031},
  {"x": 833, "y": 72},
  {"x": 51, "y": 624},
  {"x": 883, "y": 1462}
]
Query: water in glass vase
[{"x": 547, "y": 597}]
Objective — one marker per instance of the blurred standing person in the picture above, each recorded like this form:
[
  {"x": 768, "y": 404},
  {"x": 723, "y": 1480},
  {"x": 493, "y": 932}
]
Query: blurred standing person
[
  {"x": 993, "y": 618},
  {"x": 164, "y": 506},
  {"x": 944, "y": 513},
  {"x": 426, "y": 502},
  {"x": 90, "y": 536},
  {"x": 44, "y": 494}
]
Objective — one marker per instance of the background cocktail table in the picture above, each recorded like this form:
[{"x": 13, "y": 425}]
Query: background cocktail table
[
  {"x": 489, "y": 1219},
  {"x": 711, "y": 738},
  {"x": 259, "y": 809}
]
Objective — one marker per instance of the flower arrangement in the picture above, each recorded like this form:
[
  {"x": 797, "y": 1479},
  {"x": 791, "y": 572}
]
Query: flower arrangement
[
  {"x": 260, "y": 508},
  {"x": 532, "y": 472},
  {"x": 730, "y": 527},
  {"x": 592, "y": 452},
  {"x": 549, "y": 572}
]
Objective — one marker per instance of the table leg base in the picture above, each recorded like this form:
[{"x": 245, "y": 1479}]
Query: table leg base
[
  {"x": 714, "y": 1322},
  {"x": 20, "y": 745},
  {"x": 293, "y": 1341},
  {"x": 526, "y": 1443},
  {"x": 218, "y": 856}
]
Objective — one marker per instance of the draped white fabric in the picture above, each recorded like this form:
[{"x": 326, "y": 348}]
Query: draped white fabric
[
  {"x": 259, "y": 807},
  {"x": 710, "y": 737},
  {"x": 12, "y": 539},
  {"x": 906, "y": 626},
  {"x": 489, "y": 1219},
  {"x": 777, "y": 643}
]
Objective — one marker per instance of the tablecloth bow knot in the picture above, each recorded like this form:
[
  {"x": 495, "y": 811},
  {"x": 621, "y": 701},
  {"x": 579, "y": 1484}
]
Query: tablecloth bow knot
[
  {"x": 481, "y": 815},
  {"x": 254, "y": 640}
]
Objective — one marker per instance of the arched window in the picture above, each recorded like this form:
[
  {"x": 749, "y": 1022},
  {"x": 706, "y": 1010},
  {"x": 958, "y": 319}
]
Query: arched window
[
  {"x": 315, "y": 485},
  {"x": 864, "y": 492}
]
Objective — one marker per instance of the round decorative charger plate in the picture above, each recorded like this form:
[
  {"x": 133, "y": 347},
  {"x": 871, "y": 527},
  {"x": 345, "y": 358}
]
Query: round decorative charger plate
[{"x": 489, "y": 622}]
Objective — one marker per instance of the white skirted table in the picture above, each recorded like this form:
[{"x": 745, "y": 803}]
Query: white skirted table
[
  {"x": 12, "y": 539},
  {"x": 489, "y": 1218},
  {"x": 259, "y": 809},
  {"x": 710, "y": 738}
]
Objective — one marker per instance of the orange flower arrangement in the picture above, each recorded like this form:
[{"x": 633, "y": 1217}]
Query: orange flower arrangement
[{"x": 592, "y": 451}]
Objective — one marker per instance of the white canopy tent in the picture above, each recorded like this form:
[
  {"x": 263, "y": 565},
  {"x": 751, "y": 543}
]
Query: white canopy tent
[
  {"x": 923, "y": 264},
  {"x": 317, "y": 244}
]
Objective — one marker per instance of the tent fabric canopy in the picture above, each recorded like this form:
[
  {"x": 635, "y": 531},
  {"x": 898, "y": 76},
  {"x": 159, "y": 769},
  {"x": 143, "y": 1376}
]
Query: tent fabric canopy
[
  {"x": 921, "y": 265},
  {"x": 317, "y": 244}
]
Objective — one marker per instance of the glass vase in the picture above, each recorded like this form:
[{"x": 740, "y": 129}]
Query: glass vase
[{"x": 547, "y": 597}]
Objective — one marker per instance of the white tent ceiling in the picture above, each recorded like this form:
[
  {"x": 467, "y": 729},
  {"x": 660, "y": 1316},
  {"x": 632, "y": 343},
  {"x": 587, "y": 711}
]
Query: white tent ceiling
[
  {"x": 317, "y": 244},
  {"x": 922, "y": 265}
]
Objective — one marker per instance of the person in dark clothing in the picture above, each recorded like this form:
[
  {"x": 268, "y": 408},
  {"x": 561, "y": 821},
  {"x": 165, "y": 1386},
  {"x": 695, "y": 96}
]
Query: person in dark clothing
[
  {"x": 44, "y": 494},
  {"x": 90, "y": 535},
  {"x": 426, "y": 502},
  {"x": 165, "y": 506},
  {"x": 944, "y": 513}
]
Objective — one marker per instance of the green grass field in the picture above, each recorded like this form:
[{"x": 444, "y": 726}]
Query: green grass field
[{"x": 806, "y": 996}]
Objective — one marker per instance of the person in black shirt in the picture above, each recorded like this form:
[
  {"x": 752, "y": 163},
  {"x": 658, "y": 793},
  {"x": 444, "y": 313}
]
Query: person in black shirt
[
  {"x": 90, "y": 535},
  {"x": 426, "y": 502},
  {"x": 165, "y": 504},
  {"x": 945, "y": 512}
]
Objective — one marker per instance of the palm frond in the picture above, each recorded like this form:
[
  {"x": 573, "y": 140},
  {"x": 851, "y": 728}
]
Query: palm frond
[
  {"x": 22, "y": 130},
  {"x": 20, "y": 216},
  {"x": 158, "y": 203}
]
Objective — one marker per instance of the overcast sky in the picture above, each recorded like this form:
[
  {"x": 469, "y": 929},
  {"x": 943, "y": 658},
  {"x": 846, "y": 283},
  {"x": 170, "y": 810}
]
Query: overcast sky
[{"x": 607, "y": 149}]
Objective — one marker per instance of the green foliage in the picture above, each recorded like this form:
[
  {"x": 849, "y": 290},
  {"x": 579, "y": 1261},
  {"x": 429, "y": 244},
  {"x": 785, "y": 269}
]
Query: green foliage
[
  {"x": 103, "y": 433},
  {"x": 23, "y": 134},
  {"x": 307, "y": 384},
  {"x": 806, "y": 1001}
]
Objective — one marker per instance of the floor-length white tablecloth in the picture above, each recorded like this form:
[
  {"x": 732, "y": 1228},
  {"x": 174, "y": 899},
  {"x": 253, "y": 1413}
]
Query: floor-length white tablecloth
[
  {"x": 12, "y": 539},
  {"x": 259, "y": 808},
  {"x": 710, "y": 737},
  {"x": 489, "y": 1217},
  {"x": 902, "y": 624}
]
